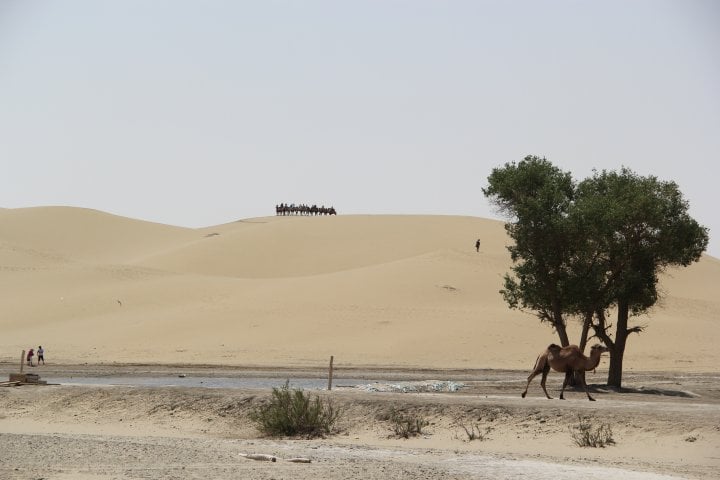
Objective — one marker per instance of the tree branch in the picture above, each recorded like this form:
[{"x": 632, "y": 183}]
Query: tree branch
[
  {"x": 637, "y": 329},
  {"x": 600, "y": 328}
]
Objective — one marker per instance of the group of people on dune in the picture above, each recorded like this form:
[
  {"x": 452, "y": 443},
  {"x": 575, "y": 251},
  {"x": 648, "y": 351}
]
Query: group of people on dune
[
  {"x": 40, "y": 356},
  {"x": 302, "y": 209}
]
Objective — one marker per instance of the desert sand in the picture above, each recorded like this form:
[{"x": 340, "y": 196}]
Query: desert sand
[{"x": 387, "y": 296}]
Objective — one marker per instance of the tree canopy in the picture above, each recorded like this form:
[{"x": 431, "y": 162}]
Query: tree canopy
[
  {"x": 537, "y": 196},
  {"x": 581, "y": 249}
]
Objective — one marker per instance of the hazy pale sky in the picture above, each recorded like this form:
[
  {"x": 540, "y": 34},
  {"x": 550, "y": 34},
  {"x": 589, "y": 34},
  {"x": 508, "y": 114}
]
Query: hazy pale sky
[{"x": 196, "y": 113}]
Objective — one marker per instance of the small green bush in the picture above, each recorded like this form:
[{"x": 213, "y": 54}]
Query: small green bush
[
  {"x": 406, "y": 425},
  {"x": 291, "y": 412},
  {"x": 585, "y": 434}
]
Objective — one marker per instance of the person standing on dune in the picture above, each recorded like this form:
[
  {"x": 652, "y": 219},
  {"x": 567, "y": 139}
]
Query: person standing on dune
[
  {"x": 30, "y": 355},
  {"x": 41, "y": 355}
]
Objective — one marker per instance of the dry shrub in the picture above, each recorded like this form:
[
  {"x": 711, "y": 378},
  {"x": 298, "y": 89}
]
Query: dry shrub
[
  {"x": 406, "y": 425},
  {"x": 585, "y": 434},
  {"x": 291, "y": 412},
  {"x": 473, "y": 431}
]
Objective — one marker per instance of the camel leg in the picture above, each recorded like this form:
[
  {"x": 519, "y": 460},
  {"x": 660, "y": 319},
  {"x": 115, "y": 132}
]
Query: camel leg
[
  {"x": 546, "y": 370},
  {"x": 565, "y": 382},
  {"x": 582, "y": 378},
  {"x": 540, "y": 367},
  {"x": 532, "y": 375}
]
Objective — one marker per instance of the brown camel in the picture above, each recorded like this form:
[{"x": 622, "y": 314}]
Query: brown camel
[{"x": 565, "y": 360}]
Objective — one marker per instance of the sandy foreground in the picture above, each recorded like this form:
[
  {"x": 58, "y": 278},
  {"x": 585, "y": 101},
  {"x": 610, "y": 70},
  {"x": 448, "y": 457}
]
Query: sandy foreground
[{"x": 666, "y": 425}]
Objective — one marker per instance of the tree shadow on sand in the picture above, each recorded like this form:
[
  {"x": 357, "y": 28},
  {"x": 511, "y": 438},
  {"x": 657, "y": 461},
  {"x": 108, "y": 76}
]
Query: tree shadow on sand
[{"x": 665, "y": 392}]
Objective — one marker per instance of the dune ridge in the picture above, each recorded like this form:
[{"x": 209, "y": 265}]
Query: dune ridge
[{"x": 402, "y": 291}]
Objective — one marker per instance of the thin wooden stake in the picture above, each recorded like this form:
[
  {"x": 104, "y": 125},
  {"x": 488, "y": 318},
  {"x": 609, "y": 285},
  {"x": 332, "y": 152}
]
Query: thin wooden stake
[
  {"x": 330, "y": 373},
  {"x": 22, "y": 361}
]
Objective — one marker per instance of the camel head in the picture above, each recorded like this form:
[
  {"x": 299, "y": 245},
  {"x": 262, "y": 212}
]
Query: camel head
[{"x": 596, "y": 352}]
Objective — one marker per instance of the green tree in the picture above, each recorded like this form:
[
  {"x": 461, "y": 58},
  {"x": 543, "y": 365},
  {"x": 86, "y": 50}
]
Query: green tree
[
  {"x": 536, "y": 196},
  {"x": 636, "y": 227},
  {"x": 582, "y": 250}
]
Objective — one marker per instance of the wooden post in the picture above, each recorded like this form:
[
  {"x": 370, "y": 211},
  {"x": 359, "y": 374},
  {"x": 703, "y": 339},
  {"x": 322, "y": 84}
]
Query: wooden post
[
  {"x": 330, "y": 373},
  {"x": 22, "y": 361}
]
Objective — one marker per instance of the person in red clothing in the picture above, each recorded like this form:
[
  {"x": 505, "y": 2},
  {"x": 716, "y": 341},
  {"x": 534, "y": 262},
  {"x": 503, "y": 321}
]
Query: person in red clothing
[{"x": 30, "y": 355}]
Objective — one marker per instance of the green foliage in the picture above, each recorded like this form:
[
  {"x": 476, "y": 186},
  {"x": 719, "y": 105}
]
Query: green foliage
[
  {"x": 538, "y": 197},
  {"x": 639, "y": 226},
  {"x": 291, "y": 412},
  {"x": 405, "y": 425},
  {"x": 581, "y": 249},
  {"x": 585, "y": 434},
  {"x": 635, "y": 228},
  {"x": 533, "y": 188}
]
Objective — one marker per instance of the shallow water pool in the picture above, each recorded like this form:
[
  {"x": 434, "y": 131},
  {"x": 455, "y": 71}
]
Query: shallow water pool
[{"x": 207, "y": 382}]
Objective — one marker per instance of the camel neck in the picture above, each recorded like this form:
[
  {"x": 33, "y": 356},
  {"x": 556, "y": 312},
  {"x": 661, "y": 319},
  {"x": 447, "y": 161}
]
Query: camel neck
[{"x": 594, "y": 359}]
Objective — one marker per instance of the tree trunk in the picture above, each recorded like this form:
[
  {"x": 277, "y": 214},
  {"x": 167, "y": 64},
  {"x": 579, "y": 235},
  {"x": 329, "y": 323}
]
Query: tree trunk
[
  {"x": 617, "y": 350},
  {"x": 615, "y": 372},
  {"x": 562, "y": 333},
  {"x": 601, "y": 329},
  {"x": 558, "y": 323},
  {"x": 576, "y": 379},
  {"x": 585, "y": 331}
]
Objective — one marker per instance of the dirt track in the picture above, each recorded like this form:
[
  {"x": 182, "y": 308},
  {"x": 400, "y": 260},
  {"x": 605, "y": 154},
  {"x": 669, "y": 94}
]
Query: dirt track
[{"x": 667, "y": 425}]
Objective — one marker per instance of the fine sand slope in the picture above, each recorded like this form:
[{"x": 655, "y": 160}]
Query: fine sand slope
[{"x": 402, "y": 291}]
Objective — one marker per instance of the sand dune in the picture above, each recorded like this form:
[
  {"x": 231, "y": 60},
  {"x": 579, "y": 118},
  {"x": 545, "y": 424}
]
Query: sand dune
[
  {"x": 371, "y": 290},
  {"x": 78, "y": 234},
  {"x": 278, "y": 247}
]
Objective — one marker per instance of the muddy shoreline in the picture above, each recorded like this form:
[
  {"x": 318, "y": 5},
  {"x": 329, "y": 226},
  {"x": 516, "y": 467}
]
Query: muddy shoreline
[{"x": 477, "y": 381}]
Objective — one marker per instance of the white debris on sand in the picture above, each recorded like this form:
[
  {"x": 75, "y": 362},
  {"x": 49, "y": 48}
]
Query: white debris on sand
[
  {"x": 413, "y": 387},
  {"x": 264, "y": 457}
]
